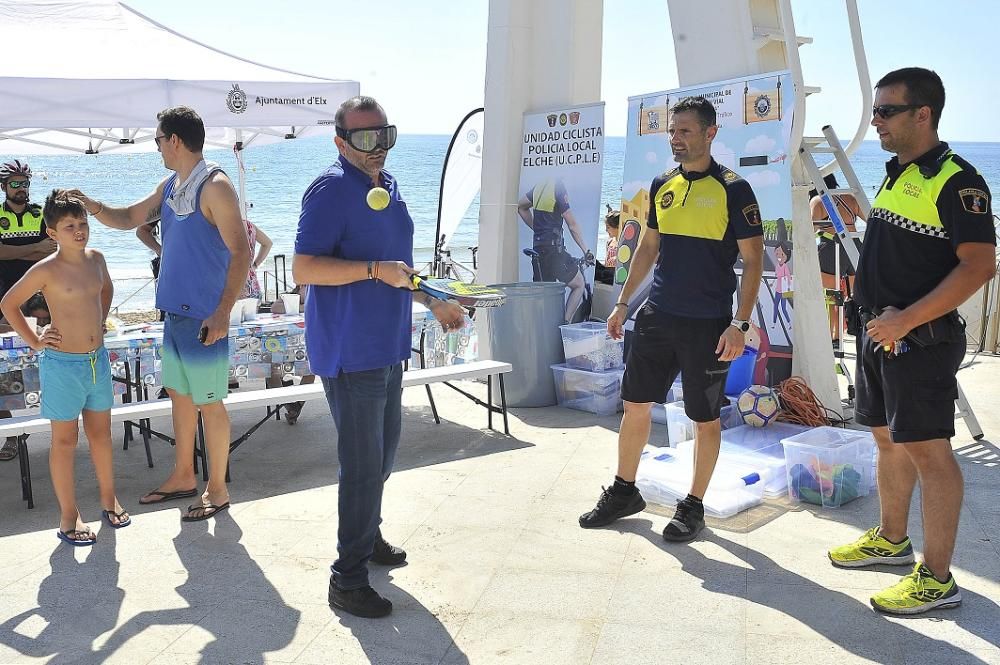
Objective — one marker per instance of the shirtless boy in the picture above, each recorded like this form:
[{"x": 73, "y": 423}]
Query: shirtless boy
[{"x": 73, "y": 364}]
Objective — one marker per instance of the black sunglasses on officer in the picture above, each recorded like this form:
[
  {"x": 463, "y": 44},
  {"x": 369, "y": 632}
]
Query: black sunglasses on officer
[
  {"x": 369, "y": 139},
  {"x": 886, "y": 111}
]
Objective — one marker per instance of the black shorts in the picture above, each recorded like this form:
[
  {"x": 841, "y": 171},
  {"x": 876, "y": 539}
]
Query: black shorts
[
  {"x": 828, "y": 257},
  {"x": 557, "y": 265},
  {"x": 663, "y": 346},
  {"x": 913, "y": 393}
]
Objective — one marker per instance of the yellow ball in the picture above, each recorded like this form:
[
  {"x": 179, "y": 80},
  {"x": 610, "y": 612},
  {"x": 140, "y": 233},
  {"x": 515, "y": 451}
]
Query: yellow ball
[{"x": 378, "y": 198}]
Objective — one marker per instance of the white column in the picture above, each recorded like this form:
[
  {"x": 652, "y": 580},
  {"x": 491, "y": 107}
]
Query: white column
[{"x": 540, "y": 54}]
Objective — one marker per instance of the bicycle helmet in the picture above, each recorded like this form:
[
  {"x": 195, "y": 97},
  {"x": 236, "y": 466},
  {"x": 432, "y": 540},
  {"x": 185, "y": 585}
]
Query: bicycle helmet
[{"x": 17, "y": 167}]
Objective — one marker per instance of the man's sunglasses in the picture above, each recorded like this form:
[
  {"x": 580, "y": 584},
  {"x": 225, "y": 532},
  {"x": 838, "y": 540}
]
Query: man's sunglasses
[
  {"x": 369, "y": 139},
  {"x": 18, "y": 184},
  {"x": 886, "y": 111}
]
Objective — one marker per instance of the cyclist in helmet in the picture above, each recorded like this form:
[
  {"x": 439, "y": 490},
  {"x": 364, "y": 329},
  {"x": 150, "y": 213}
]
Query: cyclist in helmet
[{"x": 23, "y": 241}]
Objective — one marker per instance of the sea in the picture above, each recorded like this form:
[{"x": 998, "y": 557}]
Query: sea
[{"x": 278, "y": 174}]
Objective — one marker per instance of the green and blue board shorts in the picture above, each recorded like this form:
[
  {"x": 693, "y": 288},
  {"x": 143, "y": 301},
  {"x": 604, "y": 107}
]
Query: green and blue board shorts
[{"x": 191, "y": 368}]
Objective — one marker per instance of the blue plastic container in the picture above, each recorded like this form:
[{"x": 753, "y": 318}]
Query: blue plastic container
[{"x": 741, "y": 372}]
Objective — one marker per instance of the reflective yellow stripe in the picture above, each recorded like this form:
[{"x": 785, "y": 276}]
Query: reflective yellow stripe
[
  {"x": 914, "y": 198},
  {"x": 30, "y": 224}
]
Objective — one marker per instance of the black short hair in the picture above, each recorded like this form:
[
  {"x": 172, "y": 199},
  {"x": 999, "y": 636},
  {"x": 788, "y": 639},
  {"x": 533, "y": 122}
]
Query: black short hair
[
  {"x": 923, "y": 86},
  {"x": 33, "y": 303},
  {"x": 59, "y": 205},
  {"x": 184, "y": 123},
  {"x": 698, "y": 105},
  {"x": 358, "y": 103},
  {"x": 831, "y": 183},
  {"x": 613, "y": 218}
]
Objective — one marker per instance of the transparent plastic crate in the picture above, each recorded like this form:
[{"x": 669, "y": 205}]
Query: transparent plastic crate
[
  {"x": 588, "y": 346},
  {"x": 681, "y": 428},
  {"x": 664, "y": 477},
  {"x": 596, "y": 392},
  {"x": 829, "y": 466}
]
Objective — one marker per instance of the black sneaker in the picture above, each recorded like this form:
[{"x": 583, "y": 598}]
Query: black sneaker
[
  {"x": 363, "y": 602},
  {"x": 688, "y": 521},
  {"x": 610, "y": 507},
  {"x": 385, "y": 554}
]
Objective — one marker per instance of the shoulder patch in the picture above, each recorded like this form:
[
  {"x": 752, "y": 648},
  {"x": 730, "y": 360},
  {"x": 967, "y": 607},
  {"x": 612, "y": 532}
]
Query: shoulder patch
[
  {"x": 974, "y": 200},
  {"x": 728, "y": 175},
  {"x": 671, "y": 173},
  {"x": 752, "y": 214}
]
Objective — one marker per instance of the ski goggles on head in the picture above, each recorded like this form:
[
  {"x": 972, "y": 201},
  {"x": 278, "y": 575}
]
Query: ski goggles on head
[{"x": 369, "y": 139}]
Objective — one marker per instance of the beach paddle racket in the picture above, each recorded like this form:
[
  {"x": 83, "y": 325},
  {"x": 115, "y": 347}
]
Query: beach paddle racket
[{"x": 465, "y": 294}]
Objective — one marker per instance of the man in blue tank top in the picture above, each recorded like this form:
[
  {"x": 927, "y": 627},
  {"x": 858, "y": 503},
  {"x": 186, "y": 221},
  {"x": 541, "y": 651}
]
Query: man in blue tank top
[
  {"x": 357, "y": 263},
  {"x": 203, "y": 267}
]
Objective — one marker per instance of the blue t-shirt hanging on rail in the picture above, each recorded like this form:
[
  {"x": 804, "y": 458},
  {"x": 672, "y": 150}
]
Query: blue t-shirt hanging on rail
[{"x": 366, "y": 324}]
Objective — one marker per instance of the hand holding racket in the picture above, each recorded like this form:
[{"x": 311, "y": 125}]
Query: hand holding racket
[
  {"x": 395, "y": 273},
  {"x": 465, "y": 294}
]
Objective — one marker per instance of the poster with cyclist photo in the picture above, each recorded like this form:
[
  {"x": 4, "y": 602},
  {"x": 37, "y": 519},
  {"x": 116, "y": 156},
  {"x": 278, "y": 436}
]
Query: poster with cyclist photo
[
  {"x": 559, "y": 201},
  {"x": 754, "y": 116}
]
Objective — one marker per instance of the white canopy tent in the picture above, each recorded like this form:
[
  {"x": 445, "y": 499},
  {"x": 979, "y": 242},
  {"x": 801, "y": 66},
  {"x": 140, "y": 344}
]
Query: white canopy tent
[{"x": 91, "y": 76}]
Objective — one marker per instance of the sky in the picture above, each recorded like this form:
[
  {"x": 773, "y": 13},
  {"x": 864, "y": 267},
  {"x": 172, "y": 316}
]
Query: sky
[{"x": 426, "y": 61}]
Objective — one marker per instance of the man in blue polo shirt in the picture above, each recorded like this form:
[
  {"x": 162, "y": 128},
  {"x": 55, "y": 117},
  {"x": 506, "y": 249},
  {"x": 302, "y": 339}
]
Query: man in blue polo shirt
[{"x": 357, "y": 262}]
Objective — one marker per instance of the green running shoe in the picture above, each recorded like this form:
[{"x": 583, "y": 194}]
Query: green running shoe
[
  {"x": 871, "y": 549},
  {"x": 917, "y": 593}
]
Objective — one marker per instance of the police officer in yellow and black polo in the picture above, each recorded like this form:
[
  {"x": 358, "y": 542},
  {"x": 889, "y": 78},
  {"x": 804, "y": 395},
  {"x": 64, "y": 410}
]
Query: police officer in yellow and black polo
[
  {"x": 929, "y": 245},
  {"x": 23, "y": 240}
]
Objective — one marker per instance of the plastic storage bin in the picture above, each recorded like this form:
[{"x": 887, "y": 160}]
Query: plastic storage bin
[
  {"x": 681, "y": 428},
  {"x": 828, "y": 466},
  {"x": 588, "y": 346},
  {"x": 596, "y": 392},
  {"x": 664, "y": 477}
]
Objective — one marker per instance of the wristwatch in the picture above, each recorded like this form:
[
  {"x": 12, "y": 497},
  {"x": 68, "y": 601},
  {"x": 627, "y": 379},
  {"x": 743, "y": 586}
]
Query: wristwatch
[{"x": 742, "y": 326}]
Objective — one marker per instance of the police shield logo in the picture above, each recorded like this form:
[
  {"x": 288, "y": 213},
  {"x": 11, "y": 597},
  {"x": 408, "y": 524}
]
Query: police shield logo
[
  {"x": 752, "y": 214},
  {"x": 975, "y": 200},
  {"x": 667, "y": 199},
  {"x": 730, "y": 176}
]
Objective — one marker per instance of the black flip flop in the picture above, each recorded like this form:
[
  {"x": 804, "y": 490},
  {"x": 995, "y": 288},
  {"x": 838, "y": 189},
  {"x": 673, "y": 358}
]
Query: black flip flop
[
  {"x": 67, "y": 537},
  {"x": 121, "y": 524},
  {"x": 9, "y": 450},
  {"x": 168, "y": 496},
  {"x": 211, "y": 510}
]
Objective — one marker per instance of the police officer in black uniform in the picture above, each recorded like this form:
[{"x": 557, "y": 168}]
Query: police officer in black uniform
[
  {"x": 23, "y": 242},
  {"x": 928, "y": 246},
  {"x": 702, "y": 217}
]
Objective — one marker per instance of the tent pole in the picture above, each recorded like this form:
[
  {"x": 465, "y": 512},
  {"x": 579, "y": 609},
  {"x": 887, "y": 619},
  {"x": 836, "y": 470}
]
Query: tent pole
[{"x": 242, "y": 176}]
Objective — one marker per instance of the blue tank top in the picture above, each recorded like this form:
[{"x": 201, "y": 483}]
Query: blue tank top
[{"x": 193, "y": 263}]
